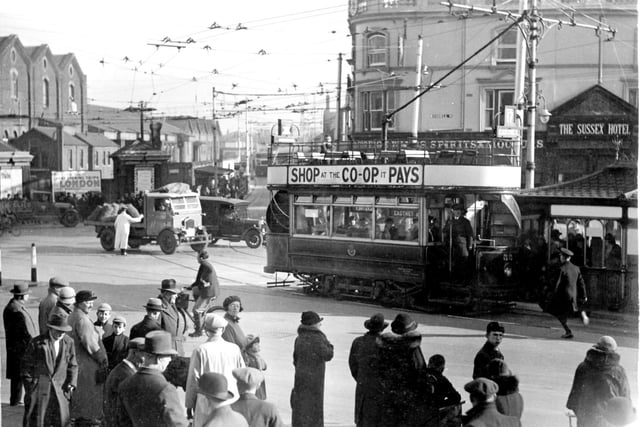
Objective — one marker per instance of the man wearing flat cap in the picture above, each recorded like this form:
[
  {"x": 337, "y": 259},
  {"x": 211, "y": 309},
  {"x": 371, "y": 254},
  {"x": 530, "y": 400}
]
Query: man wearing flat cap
[
  {"x": 213, "y": 398},
  {"x": 19, "y": 329},
  {"x": 172, "y": 319},
  {"x": 482, "y": 394},
  {"x": 50, "y": 373},
  {"x": 66, "y": 299},
  {"x": 363, "y": 363},
  {"x": 102, "y": 323},
  {"x": 569, "y": 292},
  {"x": 259, "y": 413},
  {"x": 48, "y": 302},
  {"x": 86, "y": 406},
  {"x": 150, "y": 322},
  {"x": 146, "y": 398},
  {"x": 117, "y": 343},
  {"x": 121, "y": 372},
  {"x": 312, "y": 350},
  {"x": 489, "y": 351},
  {"x": 598, "y": 378},
  {"x": 215, "y": 355}
]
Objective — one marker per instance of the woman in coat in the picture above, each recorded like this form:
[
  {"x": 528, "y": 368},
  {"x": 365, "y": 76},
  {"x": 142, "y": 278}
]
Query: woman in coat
[
  {"x": 598, "y": 379},
  {"x": 233, "y": 332},
  {"x": 49, "y": 380},
  {"x": 123, "y": 227},
  {"x": 311, "y": 351},
  {"x": 406, "y": 389},
  {"x": 508, "y": 400},
  {"x": 86, "y": 404}
]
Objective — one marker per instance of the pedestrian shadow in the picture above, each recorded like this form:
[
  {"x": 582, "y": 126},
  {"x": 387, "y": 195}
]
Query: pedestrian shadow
[{"x": 12, "y": 415}]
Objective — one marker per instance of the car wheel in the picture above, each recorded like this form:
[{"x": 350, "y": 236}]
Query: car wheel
[
  {"x": 253, "y": 239},
  {"x": 70, "y": 218},
  {"x": 168, "y": 241},
  {"x": 107, "y": 239}
]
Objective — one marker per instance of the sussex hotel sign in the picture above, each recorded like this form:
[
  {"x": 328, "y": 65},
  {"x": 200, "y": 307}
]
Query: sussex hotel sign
[{"x": 594, "y": 129}]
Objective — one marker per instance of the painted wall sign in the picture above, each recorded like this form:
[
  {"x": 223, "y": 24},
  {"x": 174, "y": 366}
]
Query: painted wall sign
[
  {"x": 357, "y": 174},
  {"x": 76, "y": 181}
]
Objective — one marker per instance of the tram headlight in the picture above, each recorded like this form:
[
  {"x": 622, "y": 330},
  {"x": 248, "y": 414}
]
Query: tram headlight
[{"x": 508, "y": 271}]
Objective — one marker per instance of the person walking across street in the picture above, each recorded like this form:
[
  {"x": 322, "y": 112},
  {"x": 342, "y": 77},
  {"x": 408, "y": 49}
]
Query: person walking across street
[
  {"x": 312, "y": 350},
  {"x": 123, "y": 227},
  {"x": 205, "y": 291},
  {"x": 121, "y": 372},
  {"x": 363, "y": 363},
  {"x": 50, "y": 372},
  {"x": 215, "y": 355},
  {"x": 598, "y": 378},
  {"x": 482, "y": 393},
  {"x": 489, "y": 351},
  {"x": 172, "y": 319},
  {"x": 258, "y": 413},
  {"x": 48, "y": 302},
  {"x": 19, "y": 329},
  {"x": 569, "y": 292},
  {"x": 146, "y": 398},
  {"x": 150, "y": 322},
  {"x": 86, "y": 404}
]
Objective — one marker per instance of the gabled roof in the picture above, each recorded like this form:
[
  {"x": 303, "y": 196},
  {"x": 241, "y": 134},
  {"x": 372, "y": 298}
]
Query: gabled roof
[
  {"x": 610, "y": 183},
  {"x": 50, "y": 132},
  {"x": 13, "y": 40},
  {"x": 95, "y": 139},
  {"x": 595, "y": 101}
]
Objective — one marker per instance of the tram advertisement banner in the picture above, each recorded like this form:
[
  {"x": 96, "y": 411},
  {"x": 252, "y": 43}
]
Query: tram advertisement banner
[
  {"x": 407, "y": 175},
  {"x": 75, "y": 181}
]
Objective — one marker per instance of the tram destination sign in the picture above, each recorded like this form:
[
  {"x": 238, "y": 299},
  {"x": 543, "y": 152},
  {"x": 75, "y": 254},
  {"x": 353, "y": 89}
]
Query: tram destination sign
[{"x": 406, "y": 175}]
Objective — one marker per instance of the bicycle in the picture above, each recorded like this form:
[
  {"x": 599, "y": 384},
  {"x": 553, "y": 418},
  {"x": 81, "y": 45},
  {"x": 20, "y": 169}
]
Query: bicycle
[{"x": 9, "y": 224}]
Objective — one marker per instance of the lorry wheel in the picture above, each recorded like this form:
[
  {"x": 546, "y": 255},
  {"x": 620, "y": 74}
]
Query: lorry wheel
[
  {"x": 168, "y": 241},
  {"x": 70, "y": 218},
  {"x": 253, "y": 239},
  {"x": 107, "y": 239},
  {"x": 200, "y": 246}
]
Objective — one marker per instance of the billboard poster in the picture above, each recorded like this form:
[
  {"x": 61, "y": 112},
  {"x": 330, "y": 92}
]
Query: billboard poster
[
  {"x": 144, "y": 179},
  {"x": 75, "y": 181},
  {"x": 10, "y": 181}
]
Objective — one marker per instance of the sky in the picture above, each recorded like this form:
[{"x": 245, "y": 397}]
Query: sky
[{"x": 170, "y": 55}]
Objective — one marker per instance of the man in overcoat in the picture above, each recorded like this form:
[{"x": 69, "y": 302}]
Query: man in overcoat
[
  {"x": 459, "y": 236},
  {"x": 172, "y": 319},
  {"x": 205, "y": 291},
  {"x": 258, "y": 413},
  {"x": 150, "y": 322},
  {"x": 482, "y": 394},
  {"x": 50, "y": 371},
  {"x": 489, "y": 351},
  {"x": 363, "y": 363},
  {"x": 570, "y": 290},
  {"x": 599, "y": 378},
  {"x": 121, "y": 372},
  {"x": 66, "y": 299},
  {"x": 86, "y": 404},
  {"x": 147, "y": 399},
  {"x": 48, "y": 302},
  {"x": 312, "y": 350},
  {"x": 19, "y": 329}
]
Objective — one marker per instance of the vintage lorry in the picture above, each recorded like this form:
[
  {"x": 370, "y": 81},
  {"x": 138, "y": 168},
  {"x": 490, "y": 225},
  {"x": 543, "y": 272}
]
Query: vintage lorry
[
  {"x": 227, "y": 219},
  {"x": 170, "y": 220}
]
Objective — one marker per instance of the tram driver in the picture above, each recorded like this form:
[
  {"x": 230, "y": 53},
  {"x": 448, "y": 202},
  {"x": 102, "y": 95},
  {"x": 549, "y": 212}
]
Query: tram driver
[{"x": 459, "y": 234}]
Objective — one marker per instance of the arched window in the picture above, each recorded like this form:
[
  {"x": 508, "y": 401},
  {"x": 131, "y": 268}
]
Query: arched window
[
  {"x": 45, "y": 92},
  {"x": 376, "y": 50},
  {"x": 14, "y": 84},
  {"x": 13, "y": 56},
  {"x": 70, "y": 70},
  {"x": 44, "y": 63}
]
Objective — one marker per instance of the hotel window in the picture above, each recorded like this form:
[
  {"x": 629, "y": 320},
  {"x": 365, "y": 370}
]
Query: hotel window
[
  {"x": 14, "y": 84},
  {"x": 494, "y": 101},
  {"x": 633, "y": 96},
  {"x": 377, "y": 50},
  {"x": 45, "y": 93},
  {"x": 374, "y": 107},
  {"x": 81, "y": 161},
  {"x": 507, "y": 47}
]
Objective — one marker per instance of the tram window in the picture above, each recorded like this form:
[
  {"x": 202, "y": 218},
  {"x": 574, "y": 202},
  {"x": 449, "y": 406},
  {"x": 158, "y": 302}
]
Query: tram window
[
  {"x": 603, "y": 237},
  {"x": 351, "y": 222},
  {"x": 434, "y": 217},
  {"x": 348, "y": 200},
  {"x": 326, "y": 200},
  {"x": 407, "y": 201},
  {"x": 312, "y": 220},
  {"x": 387, "y": 201},
  {"x": 395, "y": 223},
  {"x": 364, "y": 200},
  {"x": 304, "y": 199}
]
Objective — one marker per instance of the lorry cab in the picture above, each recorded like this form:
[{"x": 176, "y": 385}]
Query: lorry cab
[
  {"x": 227, "y": 218},
  {"x": 172, "y": 211}
]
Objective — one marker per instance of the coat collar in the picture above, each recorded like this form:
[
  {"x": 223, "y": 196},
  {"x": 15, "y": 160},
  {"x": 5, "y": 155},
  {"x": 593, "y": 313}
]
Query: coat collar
[{"x": 389, "y": 340}]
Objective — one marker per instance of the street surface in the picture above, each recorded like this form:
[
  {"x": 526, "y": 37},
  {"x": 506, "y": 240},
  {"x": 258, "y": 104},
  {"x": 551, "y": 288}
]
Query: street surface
[{"x": 544, "y": 363}]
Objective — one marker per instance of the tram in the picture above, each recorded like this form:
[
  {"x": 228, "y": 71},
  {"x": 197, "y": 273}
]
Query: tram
[{"x": 375, "y": 221}]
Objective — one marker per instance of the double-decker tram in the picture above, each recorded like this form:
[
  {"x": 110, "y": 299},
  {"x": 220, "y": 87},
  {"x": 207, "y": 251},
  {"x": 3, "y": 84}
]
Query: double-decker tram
[{"x": 380, "y": 224}]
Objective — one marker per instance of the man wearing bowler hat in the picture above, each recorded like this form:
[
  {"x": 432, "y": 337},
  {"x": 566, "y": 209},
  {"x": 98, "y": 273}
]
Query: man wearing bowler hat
[
  {"x": 48, "y": 302},
  {"x": 363, "y": 363},
  {"x": 150, "y": 322},
  {"x": 86, "y": 405},
  {"x": 19, "y": 329},
  {"x": 121, "y": 372},
  {"x": 213, "y": 394},
  {"x": 50, "y": 371},
  {"x": 172, "y": 319},
  {"x": 482, "y": 393},
  {"x": 570, "y": 293},
  {"x": 259, "y": 413},
  {"x": 147, "y": 399}
]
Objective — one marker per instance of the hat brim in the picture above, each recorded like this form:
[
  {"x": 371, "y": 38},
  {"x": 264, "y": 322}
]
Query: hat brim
[
  {"x": 218, "y": 396},
  {"x": 85, "y": 299},
  {"x": 20, "y": 293},
  {"x": 375, "y": 328},
  {"x": 170, "y": 352},
  {"x": 173, "y": 291},
  {"x": 152, "y": 307},
  {"x": 59, "y": 328}
]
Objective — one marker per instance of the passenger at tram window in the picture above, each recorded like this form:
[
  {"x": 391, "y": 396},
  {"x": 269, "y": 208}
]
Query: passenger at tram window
[
  {"x": 414, "y": 231},
  {"x": 434, "y": 230},
  {"x": 576, "y": 245},
  {"x": 612, "y": 252},
  {"x": 390, "y": 231},
  {"x": 557, "y": 241},
  {"x": 595, "y": 252},
  {"x": 320, "y": 228},
  {"x": 361, "y": 229}
]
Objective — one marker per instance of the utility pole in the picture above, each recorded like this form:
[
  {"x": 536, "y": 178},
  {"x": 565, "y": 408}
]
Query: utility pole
[
  {"x": 214, "y": 145},
  {"x": 418, "y": 89},
  {"x": 142, "y": 108},
  {"x": 339, "y": 102}
]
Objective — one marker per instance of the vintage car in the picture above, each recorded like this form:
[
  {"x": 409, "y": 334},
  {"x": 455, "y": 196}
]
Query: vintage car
[{"x": 227, "y": 219}]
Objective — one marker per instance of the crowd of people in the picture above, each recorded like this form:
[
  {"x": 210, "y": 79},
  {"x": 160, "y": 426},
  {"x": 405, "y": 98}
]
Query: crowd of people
[{"x": 91, "y": 373}]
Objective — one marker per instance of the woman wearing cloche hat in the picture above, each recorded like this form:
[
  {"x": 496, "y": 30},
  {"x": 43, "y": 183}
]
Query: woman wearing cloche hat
[
  {"x": 598, "y": 378},
  {"x": 311, "y": 351}
]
